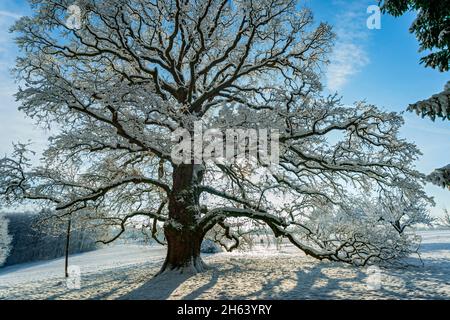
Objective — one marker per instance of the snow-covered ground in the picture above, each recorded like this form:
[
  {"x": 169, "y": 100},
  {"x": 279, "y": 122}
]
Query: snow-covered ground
[{"x": 126, "y": 272}]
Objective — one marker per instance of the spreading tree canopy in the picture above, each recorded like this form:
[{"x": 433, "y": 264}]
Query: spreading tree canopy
[{"x": 113, "y": 90}]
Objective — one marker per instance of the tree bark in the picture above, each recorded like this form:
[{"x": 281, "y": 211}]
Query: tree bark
[
  {"x": 183, "y": 252},
  {"x": 66, "y": 260},
  {"x": 183, "y": 235}
]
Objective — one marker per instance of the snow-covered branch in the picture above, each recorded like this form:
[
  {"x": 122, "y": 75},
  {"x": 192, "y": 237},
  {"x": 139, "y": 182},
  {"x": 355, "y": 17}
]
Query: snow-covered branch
[
  {"x": 437, "y": 106},
  {"x": 440, "y": 177}
]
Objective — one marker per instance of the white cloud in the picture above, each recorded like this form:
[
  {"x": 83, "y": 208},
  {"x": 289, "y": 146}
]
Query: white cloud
[
  {"x": 348, "y": 59},
  {"x": 6, "y": 38},
  {"x": 14, "y": 127},
  {"x": 349, "y": 56},
  {"x": 10, "y": 14}
]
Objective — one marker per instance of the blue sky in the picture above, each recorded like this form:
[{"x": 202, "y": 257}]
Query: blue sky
[{"x": 379, "y": 66}]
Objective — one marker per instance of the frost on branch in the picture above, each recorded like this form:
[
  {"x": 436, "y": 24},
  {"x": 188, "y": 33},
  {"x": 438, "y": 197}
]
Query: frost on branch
[
  {"x": 136, "y": 71},
  {"x": 438, "y": 106}
]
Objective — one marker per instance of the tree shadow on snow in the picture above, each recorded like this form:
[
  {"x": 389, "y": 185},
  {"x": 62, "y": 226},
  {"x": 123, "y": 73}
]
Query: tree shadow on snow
[
  {"x": 435, "y": 246},
  {"x": 159, "y": 287},
  {"x": 306, "y": 283},
  {"x": 199, "y": 291},
  {"x": 322, "y": 281}
]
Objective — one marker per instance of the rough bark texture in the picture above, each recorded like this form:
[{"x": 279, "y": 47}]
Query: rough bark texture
[
  {"x": 183, "y": 235},
  {"x": 183, "y": 252}
]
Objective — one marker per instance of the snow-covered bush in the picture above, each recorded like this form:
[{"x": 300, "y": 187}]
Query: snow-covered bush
[
  {"x": 445, "y": 220},
  {"x": 401, "y": 210},
  {"x": 5, "y": 239},
  {"x": 209, "y": 246}
]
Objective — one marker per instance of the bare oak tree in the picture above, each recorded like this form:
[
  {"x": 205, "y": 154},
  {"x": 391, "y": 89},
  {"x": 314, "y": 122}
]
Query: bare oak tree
[{"x": 113, "y": 90}]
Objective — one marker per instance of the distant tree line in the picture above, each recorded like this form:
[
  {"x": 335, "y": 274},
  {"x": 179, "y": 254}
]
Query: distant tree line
[{"x": 31, "y": 240}]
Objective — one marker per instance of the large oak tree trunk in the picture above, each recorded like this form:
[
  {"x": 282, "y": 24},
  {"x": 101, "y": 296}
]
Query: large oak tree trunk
[
  {"x": 183, "y": 235},
  {"x": 183, "y": 252}
]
